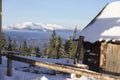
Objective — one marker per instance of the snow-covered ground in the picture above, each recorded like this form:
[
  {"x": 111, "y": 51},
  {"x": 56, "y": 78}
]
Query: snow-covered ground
[{"x": 23, "y": 71}]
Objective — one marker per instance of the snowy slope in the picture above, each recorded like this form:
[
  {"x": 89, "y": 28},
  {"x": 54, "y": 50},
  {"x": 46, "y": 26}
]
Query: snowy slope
[
  {"x": 18, "y": 74},
  {"x": 106, "y": 26}
]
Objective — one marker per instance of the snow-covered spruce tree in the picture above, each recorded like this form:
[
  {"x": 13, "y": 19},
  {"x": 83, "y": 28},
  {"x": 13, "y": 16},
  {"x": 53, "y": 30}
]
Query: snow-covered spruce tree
[
  {"x": 67, "y": 47},
  {"x": 14, "y": 46},
  {"x": 24, "y": 48},
  {"x": 73, "y": 44},
  {"x": 52, "y": 45},
  {"x": 30, "y": 50},
  {"x": 44, "y": 50},
  {"x": 59, "y": 48},
  {"x": 3, "y": 42},
  {"x": 37, "y": 51},
  {"x": 9, "y": 45}
]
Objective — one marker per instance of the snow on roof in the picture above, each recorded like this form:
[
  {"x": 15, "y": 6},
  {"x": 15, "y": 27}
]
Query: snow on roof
[{"x": 106, "y": 26}]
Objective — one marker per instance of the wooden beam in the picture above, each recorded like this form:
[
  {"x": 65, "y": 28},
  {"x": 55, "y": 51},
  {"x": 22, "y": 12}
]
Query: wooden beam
[
  {"x": 74, "y": 66},
  {"x": 78, "y": 51},
  {"x": 0, "y": 29},
  {"x": 4, "y": 52},
  {"x": 66, "y": 69},
  {"x": 9, "y": 66},
  {"x": 103, "y": 57}
]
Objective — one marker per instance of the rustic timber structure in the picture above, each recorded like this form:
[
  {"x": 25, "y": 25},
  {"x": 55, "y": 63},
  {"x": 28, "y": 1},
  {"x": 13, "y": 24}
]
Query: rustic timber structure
[
  {"x": 102, "y": 41},
  {"x": 102, "y": 57}
]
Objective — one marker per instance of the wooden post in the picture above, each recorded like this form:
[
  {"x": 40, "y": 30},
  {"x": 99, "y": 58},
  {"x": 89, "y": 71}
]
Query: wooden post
[
  {"x": 0, "y": 29},
  {"x": 79, "y": 47},
  {"x": 9, "y": 66}
]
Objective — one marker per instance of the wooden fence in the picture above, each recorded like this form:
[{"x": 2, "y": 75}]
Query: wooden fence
[{"x": 58, "y": 67}]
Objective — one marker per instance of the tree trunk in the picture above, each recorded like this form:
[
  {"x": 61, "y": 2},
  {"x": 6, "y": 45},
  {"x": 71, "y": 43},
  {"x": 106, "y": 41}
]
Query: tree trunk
[{"x": 0, "y": 29}]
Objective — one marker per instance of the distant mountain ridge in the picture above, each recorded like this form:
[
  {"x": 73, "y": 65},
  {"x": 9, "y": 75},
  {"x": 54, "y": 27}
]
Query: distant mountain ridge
[
  {"x": 35, "y": 33},
  {"x": 30, "y": 30},
  {"x": 34, "y": 26}
]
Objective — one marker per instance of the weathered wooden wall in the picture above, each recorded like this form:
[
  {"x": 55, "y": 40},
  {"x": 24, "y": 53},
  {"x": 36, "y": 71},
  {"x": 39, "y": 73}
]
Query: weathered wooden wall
[{"x": 110, "y": 58}]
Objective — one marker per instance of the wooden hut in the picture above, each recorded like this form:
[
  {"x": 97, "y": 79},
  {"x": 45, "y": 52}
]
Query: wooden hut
[{"x": 102, "y": 40}]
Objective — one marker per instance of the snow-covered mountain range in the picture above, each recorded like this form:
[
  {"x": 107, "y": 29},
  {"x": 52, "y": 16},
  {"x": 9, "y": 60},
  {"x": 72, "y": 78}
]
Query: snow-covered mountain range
[
  {"x": 35, "y": 33},
  {"x": 34, "y": 26},
  {"x": 31, "y": 30}
]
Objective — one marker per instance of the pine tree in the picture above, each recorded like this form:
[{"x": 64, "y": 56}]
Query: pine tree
[
  {"x": 37, "y": 51},
  {"x": 67, "y": 45},
  {"x": 14, "y": 45},
  {"x": 52, "y": 45},
  {"x": 44, "y": 51},
  {"x": 20, "y": 48},
  {"x": 31, "y": 49},
  {"x": 3, "y": 42},
  {"x": 73, "y": 44},
  {"x": 75, "y": 33},
  {"x": 24, "y": 47},
  {"x": 59, "y": 48},
  {"x": 9, "y": 47}
]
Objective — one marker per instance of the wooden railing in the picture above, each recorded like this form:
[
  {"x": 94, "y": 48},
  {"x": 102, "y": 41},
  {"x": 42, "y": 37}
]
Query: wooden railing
[
  {"x": 62, "y": 68},
  {"x": 57, "y": 67}
]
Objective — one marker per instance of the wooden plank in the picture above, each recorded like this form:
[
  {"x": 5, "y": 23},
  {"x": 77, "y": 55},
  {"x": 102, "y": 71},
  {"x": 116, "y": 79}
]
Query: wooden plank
[
  {"x": 79, "y": 47},
  {"x": 115, "y": 58},
  {"x": 118, "y": 59},
  {"x": 4, "y": 52},
  {"x": 112, "y": 59},
  {"x": 108, "y": 60},
  {"x": 74, "y": 66},
  {"x": 66, "y": 69},
  {"x": 103, "y": 56}
]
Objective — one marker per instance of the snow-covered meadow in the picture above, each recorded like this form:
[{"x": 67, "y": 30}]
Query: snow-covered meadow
[{"x": 23, "y": 71}]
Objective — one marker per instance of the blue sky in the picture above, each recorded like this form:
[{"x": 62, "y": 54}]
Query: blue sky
[{"x": 69, "y": 13}]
